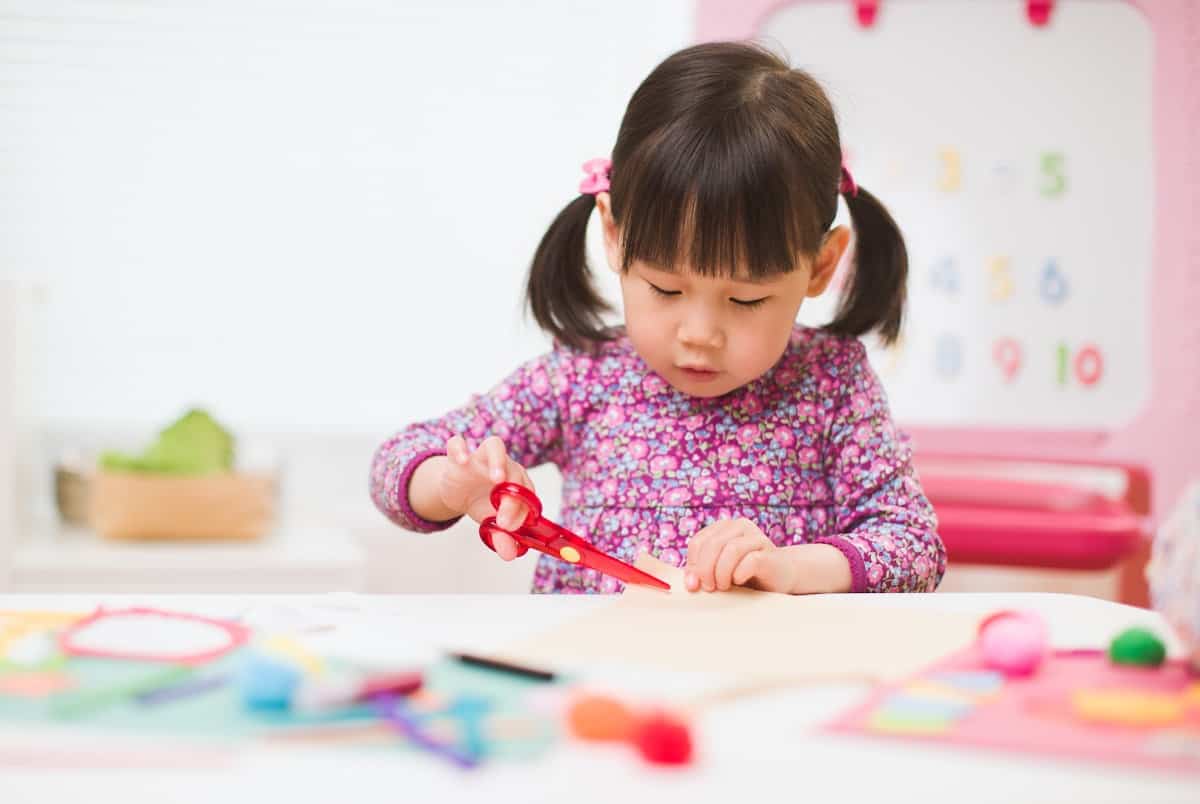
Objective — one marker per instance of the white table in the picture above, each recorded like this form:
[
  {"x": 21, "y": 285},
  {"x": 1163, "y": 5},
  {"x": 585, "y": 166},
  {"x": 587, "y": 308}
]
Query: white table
[{"x": 752, "y": 748}]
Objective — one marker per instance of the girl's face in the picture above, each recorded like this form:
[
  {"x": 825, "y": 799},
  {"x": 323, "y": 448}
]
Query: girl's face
[{"x": 709, "y": 336}]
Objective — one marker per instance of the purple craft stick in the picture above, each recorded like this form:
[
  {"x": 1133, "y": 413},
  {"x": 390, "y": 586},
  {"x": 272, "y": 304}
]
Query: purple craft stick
[
  {"x": 390, "y": 709},
  {"x": 185, "y": 689}
]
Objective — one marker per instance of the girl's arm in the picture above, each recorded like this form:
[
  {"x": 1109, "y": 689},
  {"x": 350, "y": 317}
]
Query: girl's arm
[
  {"x": 523, "y": 411},
  {"x": 884, "y": 525}
]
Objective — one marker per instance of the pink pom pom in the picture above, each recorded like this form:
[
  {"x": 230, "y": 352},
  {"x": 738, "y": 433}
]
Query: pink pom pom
[
  {"x": 1014, "y": 643},
  {"x": 664, "y": 740}
]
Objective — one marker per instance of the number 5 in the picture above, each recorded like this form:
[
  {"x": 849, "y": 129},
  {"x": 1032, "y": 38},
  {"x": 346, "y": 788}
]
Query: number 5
[{"x": 1054, "y": 177}]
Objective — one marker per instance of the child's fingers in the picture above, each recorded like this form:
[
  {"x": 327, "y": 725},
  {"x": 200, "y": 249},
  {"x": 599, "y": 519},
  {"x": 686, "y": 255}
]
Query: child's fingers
[
  {"x": 691, "y": 577},
  {"x": 749, "y": 567},
  {"x": 495, "y": 457},
  {"x": 518, "y": 475},
  {"x": 703, "y": 550},
  {"x": 691, "y": 569},
  {"x": 730, "y": 556},
  {"x": 511, "y": 514},
  {"x": 456, "y": 450},
  {"x": 505, "y": 545}
]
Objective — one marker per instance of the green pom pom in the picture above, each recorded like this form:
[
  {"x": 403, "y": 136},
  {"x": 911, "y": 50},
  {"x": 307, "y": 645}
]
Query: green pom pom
[{"x": 1138, "y": 647}]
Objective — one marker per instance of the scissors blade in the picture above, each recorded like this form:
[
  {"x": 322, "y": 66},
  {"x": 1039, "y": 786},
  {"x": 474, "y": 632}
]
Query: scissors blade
[{"x": 601, "y": 562}]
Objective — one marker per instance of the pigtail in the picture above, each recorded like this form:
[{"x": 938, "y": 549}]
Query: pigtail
[
  {"x": 873, "y": 298},
  {"x": 559, "y": 292}
]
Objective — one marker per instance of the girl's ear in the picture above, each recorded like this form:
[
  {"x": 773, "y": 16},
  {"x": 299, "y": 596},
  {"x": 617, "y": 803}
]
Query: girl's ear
[
  {"x": 826, "y": 263},
  {"x": 612, "y": 239}
]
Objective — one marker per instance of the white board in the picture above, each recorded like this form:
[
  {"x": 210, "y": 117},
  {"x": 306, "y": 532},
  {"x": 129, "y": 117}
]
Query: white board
[{"x": 1018, "y": 161}]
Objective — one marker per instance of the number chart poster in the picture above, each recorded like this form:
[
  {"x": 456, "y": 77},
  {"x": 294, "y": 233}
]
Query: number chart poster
[{"x": 1018, "y": 161}]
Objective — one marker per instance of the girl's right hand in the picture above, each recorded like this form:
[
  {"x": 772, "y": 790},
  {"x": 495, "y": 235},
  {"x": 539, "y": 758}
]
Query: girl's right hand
[{"x": 466, "y": 486}]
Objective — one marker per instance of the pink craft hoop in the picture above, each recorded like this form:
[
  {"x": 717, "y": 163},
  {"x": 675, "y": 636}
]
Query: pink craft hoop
[{"x": 237, "y": 636}]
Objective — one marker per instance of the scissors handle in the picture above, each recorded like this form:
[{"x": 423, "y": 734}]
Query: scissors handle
[
  {"x": 554, "y": 540},
  {"x": 525, "y": 495},
  {"x": 533, "y": 506}
]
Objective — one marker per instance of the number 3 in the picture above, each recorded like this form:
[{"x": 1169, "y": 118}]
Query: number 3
[{"x": 951, "y": 178}]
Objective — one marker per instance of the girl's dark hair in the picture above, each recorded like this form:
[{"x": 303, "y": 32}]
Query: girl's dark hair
[{"x": 727, "y": 161}]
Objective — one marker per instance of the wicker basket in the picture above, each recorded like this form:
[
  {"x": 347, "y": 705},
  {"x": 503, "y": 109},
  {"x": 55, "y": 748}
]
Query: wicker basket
[
  {"x": 225, "y": 507},
  {"x": 71, "y": 490}
]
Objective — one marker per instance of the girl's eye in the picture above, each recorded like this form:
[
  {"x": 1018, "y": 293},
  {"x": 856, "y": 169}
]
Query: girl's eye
[
  {"x": 662, "y": 292},
  {"x": 749, "y": 302}
]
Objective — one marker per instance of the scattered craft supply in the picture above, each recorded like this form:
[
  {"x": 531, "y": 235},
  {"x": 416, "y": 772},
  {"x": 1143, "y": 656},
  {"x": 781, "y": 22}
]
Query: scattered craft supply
[
  {"x": 1013, "y": 642},
  {"x": 1129, "y": 708},
  {"x": 187, "y": 688},
  {"x": 159, "y": 672},
  {"x": 83, "y": 702},
  {"x": 1137, "y": 647},
  {"x": 506, "y": 667},
  {"x": 600, "y": 718},
  {"x": 151, "y": 635},
  {"x": 664, "y": 740},
  {"x": 395, "y": 714},
  {"x": 289, "y": 649},
  {"x": 660, "y": 738},
  {"x": 734, "y": 635},
  {"x": 16, "y": 626},
  {"x": 35, "y": 684},
  {"x": 1078, "y": 705},
  {"x": 266, "y": 681},
  {"x": 344, "y": 689}
]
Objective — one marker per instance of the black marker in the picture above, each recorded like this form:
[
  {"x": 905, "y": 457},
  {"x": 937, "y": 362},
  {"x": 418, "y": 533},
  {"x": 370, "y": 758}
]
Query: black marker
[{"x": 505, "y": 667}]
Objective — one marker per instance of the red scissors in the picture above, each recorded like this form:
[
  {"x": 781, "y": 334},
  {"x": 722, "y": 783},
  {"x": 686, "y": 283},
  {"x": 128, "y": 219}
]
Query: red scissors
[{"x": 554, "y": 540}]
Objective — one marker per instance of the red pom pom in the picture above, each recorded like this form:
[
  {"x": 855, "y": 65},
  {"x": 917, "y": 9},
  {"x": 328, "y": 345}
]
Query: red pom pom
[{"x": 664, "y": 740}]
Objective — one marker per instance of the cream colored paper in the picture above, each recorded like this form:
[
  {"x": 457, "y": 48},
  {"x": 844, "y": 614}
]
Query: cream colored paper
[{"x": 751, "y": 636}]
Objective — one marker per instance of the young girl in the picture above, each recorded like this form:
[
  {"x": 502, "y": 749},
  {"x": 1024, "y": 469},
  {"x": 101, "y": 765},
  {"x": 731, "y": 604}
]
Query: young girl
[{"x": 710, "y": 429}]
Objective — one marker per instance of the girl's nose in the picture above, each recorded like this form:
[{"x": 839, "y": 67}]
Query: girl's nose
[{"x": 701, "y": 330}]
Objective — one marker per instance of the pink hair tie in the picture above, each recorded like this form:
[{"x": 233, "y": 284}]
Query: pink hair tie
[
  {"x": 848, "y": 186},
  {"x": 596, "y": 181}
]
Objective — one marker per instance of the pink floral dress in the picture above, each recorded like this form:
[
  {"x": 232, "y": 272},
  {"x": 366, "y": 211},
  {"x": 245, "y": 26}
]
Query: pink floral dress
[{"x": 808, "y": 451}]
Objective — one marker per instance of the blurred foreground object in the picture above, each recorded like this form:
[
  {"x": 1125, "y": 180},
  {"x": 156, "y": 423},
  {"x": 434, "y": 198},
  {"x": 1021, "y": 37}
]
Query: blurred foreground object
[{"x": 1174, "y": 571}]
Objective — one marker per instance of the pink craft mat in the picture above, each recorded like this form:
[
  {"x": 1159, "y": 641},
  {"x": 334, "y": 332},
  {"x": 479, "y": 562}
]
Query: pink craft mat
[{"x": 1033, "y": 716}]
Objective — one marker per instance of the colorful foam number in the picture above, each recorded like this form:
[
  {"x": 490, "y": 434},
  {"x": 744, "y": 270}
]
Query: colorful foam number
[
  {"x": 1053, "y": 284},
  {"x": 945, "y": 275},
  {"x": 950, "y": 177},
  {"x": 1007, "y": 354},
  {"x": 1053, "y": 174},
  {"x": 1000, "y": 278},
  {"x": 1086, "y": 365},
  {"x": 948, "y": 357}
]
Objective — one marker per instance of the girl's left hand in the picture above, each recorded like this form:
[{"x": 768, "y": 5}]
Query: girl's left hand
[{"x": 734, "y": 552}]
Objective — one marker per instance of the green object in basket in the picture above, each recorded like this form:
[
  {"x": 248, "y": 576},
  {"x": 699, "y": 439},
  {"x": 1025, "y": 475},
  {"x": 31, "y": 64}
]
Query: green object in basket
[{"x": 194, "y": 445}]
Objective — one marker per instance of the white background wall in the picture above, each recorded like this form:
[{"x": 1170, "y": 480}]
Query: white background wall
[{"x": 311, "y": 217}]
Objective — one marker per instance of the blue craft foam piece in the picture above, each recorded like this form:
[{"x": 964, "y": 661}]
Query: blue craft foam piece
[
  {"x": 916, "y": 707},
  {"x": 266, "y": 682},
  {"x": 982, "y": 682}
]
